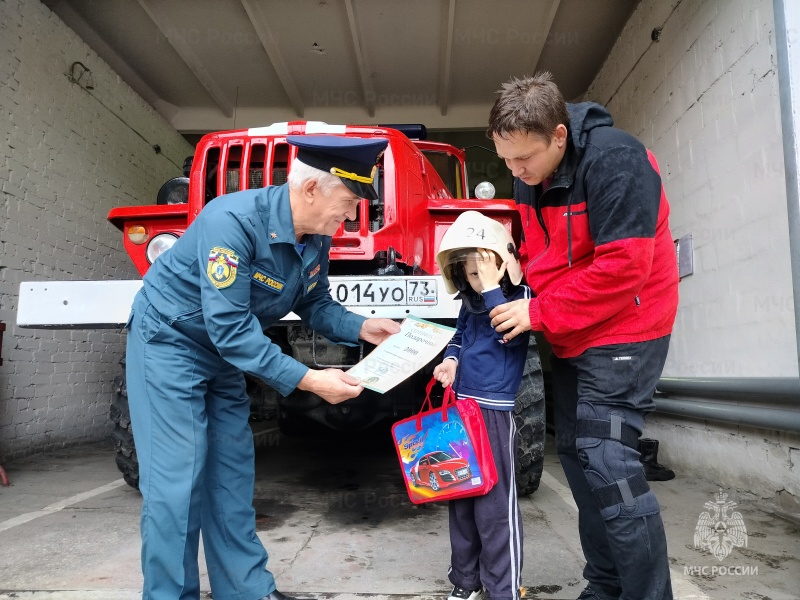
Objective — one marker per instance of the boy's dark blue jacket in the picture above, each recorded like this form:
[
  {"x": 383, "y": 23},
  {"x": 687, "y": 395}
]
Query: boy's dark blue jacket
[{"x": 489, "y": 370}]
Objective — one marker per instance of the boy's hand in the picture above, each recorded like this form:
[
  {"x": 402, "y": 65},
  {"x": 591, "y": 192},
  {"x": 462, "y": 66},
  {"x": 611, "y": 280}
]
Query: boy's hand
[
  {"x": 445, "y": 373},
  {"x": 488, "y": 272}
]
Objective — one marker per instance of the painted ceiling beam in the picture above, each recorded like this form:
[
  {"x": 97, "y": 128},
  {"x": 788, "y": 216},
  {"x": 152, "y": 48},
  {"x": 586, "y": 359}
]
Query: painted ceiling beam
[
  {"x": 366, "y": 81},
  {"x": 446, "y": 58},
  {"x": 157, "y": 12},
  {"x": 259, "y": 21},
  {"x": 538, "y": 43}
]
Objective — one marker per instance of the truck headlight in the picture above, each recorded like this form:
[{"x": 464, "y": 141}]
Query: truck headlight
[
  {"x": 158, "y": 245},
  {"x": 484, "y": 190}
]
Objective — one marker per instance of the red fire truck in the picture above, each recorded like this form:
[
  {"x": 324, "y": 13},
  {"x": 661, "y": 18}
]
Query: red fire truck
[{"x": 382, "y": 264}]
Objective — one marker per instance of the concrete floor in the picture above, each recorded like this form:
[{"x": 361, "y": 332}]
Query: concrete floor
[{"x": 338, "y": 525}]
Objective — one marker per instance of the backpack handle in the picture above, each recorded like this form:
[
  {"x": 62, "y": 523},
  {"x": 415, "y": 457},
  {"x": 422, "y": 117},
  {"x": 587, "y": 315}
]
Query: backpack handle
[{"x": 449, "y": 397}]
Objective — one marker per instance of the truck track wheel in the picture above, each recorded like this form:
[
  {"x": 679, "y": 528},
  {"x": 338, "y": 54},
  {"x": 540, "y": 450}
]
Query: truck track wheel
[
  {"x": 122, "y": 436},
  {"x": 529, "y": 415}
]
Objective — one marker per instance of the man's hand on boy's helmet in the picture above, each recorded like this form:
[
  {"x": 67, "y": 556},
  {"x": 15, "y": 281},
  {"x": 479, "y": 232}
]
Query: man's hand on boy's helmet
[
  {"x": 512, "y": 318},
  {"x": 488, "y": 271}
]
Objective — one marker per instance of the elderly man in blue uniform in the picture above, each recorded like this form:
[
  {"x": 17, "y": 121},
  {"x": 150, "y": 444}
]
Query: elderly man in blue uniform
[{"x": 197, "y": 325}]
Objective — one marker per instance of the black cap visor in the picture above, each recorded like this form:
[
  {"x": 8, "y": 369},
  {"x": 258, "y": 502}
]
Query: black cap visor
[
  {"x": 362, "y": 190},
  {"x": 323, "y": 162}
]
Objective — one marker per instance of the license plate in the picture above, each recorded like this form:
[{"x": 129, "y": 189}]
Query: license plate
[{"x": 385, "y": 291}]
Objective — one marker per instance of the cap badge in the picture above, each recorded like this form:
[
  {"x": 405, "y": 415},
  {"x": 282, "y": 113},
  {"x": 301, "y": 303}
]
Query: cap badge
[{"x": 348, "y": 175}]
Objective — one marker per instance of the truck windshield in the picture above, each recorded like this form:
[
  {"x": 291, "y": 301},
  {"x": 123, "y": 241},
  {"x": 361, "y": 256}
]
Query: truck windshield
[{"x": 449, "y": 169}]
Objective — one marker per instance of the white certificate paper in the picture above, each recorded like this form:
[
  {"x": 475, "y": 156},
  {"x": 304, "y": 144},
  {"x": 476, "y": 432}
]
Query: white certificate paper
[{"x": 402, "y": 354}]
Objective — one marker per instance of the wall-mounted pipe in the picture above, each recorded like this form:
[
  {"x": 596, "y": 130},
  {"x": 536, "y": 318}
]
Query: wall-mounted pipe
[
  {"x": 779, "y": 419},
  {"x": 787, "y": 50},
  {"x": 774, "y": 390},
  {"x": 768, "y": 402}
]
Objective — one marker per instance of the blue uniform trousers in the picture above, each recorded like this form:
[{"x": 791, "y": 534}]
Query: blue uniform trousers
[
  {"x": 189, "y": 411},
  {"x": 623, "y": 542},
  {"x": 486, "y": 531}
]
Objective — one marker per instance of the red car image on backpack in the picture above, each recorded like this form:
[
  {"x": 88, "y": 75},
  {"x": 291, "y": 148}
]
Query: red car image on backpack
[{"x": 439, "y": 469}]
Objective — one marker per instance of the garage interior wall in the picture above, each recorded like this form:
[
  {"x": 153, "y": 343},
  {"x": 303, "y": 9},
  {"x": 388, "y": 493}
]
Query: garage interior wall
[
  {"x": 704, "y": 98},
  {"x": 67, "y": 156}
]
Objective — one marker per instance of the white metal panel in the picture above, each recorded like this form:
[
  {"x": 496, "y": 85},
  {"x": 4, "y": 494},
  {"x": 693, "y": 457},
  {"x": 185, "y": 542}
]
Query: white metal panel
[
  {"x": 75, "y": 304},
  {"x": 107, "y": 304}
]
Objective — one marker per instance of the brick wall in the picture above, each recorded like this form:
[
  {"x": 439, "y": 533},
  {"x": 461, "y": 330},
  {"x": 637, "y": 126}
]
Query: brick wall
[
  {"x": 705, "y": 99},
  {"x": 67, "y": 156}
]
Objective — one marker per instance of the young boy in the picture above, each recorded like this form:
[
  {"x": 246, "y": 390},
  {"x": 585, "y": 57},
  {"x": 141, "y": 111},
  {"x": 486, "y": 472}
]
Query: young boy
[{"x": 478, "y": 259}]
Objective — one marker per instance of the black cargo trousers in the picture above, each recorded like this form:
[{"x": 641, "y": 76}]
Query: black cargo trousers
[{"x": 600, "y": 400}]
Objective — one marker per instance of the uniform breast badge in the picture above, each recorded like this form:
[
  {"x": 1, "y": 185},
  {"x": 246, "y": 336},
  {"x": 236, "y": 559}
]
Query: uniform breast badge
[{"x": 222, "y": 266}]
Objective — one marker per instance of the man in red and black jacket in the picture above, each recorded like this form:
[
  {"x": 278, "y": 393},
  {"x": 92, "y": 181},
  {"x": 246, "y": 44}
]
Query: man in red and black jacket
[{"x": 599, "y": 257}]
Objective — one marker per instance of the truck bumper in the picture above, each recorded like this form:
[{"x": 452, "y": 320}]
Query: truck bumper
[{"x": 107, "y": 304}]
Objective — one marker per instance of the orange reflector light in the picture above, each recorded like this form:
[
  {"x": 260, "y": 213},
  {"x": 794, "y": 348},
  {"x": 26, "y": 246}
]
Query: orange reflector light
[{"x": 137, "y": 234}]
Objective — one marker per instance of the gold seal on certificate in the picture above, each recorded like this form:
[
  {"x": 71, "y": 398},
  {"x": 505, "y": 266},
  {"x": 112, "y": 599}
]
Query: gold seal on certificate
[{"x": 402, "y": 354}]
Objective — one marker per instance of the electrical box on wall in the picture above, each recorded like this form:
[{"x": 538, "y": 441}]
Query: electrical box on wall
[{"x": 684, "y": 251}]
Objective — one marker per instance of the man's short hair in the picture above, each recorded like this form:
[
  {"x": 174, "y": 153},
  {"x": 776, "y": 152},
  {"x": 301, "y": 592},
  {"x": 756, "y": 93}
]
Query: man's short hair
[
  {"x": 300, "y": 172},
  {"x": 529, "y": 105}
]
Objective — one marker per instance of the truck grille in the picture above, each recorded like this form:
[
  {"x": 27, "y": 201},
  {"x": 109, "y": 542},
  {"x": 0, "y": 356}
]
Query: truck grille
[
  {"x": 256, "y": 179},
  {"x": 231, "y": 181},
  {"x": 279, "y": 176}
]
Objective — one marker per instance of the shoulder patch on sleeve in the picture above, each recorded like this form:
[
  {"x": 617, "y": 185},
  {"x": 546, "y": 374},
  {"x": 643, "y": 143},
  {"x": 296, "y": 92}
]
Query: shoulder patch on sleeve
[{"x": 222, "y": 266}]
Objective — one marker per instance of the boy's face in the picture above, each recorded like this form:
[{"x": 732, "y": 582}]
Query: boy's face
[
  {"x": 471, "y": 271},
  {"x": 485, "y": 261}
]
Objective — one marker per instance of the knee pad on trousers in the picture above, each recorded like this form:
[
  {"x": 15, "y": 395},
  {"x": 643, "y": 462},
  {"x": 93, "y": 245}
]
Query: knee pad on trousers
[{"x": 606, "y": 441}]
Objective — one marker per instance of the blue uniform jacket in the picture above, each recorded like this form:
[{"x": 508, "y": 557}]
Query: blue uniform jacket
[
  {"x": 489, "y": 370},
  {"x": 236, "y": 271}
]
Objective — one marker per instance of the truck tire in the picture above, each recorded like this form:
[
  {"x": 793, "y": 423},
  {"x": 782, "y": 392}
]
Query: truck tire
[
  {"x": 122, "y": 436},
  {"x": 529, "y": 414}
]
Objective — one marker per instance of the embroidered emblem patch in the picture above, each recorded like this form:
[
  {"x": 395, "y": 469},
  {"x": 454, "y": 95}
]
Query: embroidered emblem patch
[
  {"x": 313, "y": 271},
  {"x": 312, "y": 286},
  {"x": 268, "y": 282},
  {"x": 222, "y": 266}
]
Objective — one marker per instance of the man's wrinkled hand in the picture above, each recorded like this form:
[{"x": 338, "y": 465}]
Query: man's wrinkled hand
[
  {"x": 512, "y": 318},
  {"x": 332, "y": 385},
  {"x": 375, "y": 331}
]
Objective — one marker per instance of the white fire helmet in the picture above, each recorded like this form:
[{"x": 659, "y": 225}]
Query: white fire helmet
[{"x": 470, "y": 231}]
